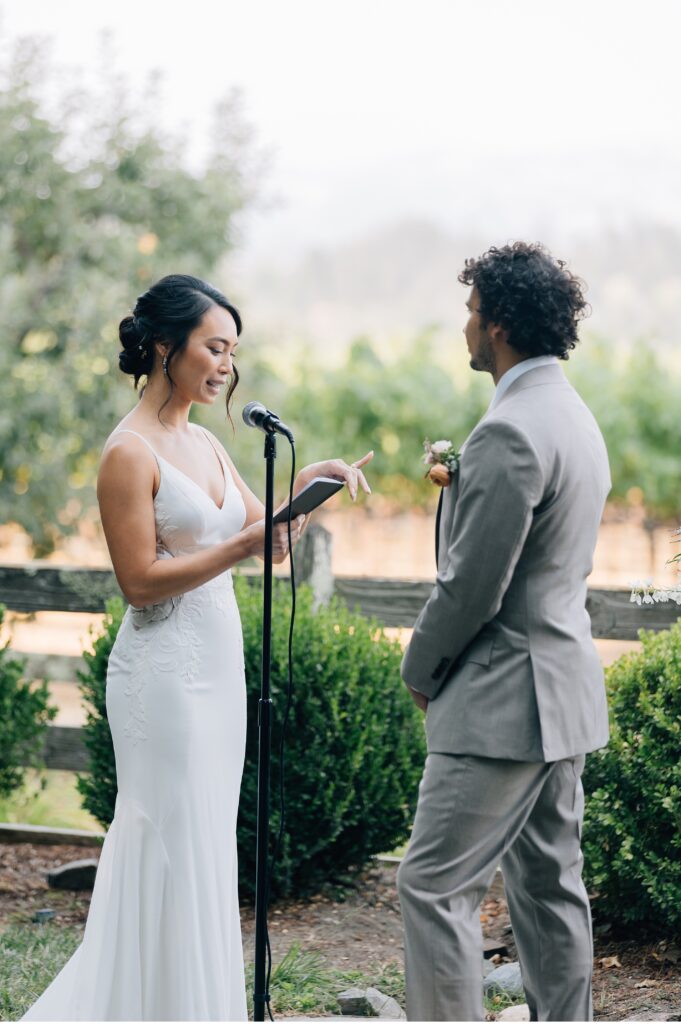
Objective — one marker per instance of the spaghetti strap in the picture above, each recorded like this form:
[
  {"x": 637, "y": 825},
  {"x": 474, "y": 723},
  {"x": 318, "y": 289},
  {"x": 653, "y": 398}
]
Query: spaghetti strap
[
  {"x": 212, "y": 445},
  {"x": 226, "y": 471},
  {"x": 126, "y": 430}
]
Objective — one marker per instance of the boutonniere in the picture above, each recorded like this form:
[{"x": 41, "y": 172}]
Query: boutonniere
[{"x": 442, "y": 460}]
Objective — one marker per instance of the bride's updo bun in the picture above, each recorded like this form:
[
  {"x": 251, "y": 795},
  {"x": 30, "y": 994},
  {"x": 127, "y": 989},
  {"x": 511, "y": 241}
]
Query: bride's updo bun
[
  {"x": 137, "y": 356},
  {"x": 168, "y": 312}
]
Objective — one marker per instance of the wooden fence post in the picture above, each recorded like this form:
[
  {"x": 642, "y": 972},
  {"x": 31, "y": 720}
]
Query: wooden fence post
[{"x": 312, "y": 562}]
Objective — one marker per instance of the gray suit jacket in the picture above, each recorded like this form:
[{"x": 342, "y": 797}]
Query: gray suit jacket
[{"x": 503, "y": 646}]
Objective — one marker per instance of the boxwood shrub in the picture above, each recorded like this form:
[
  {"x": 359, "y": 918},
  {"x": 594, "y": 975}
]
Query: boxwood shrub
[
  {"x": 24, "y": 717},
  {"x": 355, "y": 742},
  {"x": 632, "y": 824}
]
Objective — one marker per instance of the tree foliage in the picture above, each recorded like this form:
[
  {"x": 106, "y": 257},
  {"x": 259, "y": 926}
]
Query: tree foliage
[
  {"x": 92, "y": 211},
  {"x": 393, "y": 405},
  {"x": 96, "y": 207},
  {"x": 635, "y": 400}
]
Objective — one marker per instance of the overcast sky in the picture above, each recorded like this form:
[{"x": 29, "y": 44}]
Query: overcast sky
[{"x": 524, "y": 118}]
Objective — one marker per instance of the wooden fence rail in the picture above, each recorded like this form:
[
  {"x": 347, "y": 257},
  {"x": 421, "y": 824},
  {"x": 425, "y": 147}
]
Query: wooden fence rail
[{"x": 41, "y": 586}]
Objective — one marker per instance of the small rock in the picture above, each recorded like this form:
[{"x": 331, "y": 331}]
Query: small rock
[
  {"x": 77, "y": 874},
  {"x": 521, "y": 1012},
  {"x": 384, "y": 1006},
  {"x": 41, "y": 916},
  {"x": 359, "y": 1002},
  {"x": 506, "y": 980},
  {"x": 354, "y": 1003}
]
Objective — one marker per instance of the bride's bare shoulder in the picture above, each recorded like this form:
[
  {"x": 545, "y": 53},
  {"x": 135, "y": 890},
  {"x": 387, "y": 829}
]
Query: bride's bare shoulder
[
  {"x": 125, "y": 455},
  {"x": 123, "y": 435}
]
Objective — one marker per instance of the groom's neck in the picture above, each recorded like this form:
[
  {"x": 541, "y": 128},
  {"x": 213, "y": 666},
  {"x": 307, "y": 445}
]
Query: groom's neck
[{"x": 506, "y": 357}]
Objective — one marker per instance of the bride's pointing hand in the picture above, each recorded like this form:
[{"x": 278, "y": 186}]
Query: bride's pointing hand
[{"x": 351, "y": 474}]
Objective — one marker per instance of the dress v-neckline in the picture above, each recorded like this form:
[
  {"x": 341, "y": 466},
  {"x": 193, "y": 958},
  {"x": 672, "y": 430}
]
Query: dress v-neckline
[
  {"x": 206, "y": 495},
  {"x": 223, "y": 466}
]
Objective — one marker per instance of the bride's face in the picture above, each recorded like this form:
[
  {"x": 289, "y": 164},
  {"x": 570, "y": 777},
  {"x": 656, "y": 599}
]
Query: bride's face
[{"x": 202, "y": 370}]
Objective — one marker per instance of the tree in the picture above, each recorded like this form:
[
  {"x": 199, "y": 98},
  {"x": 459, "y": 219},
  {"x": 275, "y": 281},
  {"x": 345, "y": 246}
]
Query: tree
[{"x": 92, "y": 211}]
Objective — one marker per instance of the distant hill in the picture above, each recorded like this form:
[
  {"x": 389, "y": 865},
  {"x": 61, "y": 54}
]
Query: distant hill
[{"x": 402, "y": 279}]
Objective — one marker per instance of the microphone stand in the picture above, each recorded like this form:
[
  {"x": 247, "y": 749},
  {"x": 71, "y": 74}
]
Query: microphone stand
[{"x": 260, "y": 996}]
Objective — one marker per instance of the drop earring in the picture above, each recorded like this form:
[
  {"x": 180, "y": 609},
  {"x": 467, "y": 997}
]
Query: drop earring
[{"x": 165, "y": 365}]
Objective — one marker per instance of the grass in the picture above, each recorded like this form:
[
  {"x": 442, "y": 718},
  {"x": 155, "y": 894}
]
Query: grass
[
  {"x": 302, "y": 982},
  {"x": 495, "y": 1004},
  {"x": 48, "y": 798},
  {"x": 30, "y": 957}
]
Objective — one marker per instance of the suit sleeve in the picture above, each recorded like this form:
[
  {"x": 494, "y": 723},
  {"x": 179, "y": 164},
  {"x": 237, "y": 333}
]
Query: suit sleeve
[{"x": 500, "y": 484}]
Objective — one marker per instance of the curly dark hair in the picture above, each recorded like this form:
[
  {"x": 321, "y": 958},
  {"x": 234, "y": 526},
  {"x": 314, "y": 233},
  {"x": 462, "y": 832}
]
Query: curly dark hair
[{"x": 531, "y": 295}]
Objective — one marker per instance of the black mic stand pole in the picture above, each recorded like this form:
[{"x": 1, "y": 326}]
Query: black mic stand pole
[{"x": 260, "y": 996}]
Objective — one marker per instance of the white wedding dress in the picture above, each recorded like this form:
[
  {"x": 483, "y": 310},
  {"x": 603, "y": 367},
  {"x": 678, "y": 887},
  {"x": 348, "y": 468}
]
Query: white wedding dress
[{"x": 162, "y": 939}]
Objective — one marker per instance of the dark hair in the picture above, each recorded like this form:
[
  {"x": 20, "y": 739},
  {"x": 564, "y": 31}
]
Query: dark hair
[
  {"x": 530, "y": 294},
  {"x": 169, "y": 311}
]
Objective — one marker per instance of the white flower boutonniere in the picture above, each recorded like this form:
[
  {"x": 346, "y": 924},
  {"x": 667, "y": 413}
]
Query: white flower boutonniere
[{"x": 442, "y": 460}]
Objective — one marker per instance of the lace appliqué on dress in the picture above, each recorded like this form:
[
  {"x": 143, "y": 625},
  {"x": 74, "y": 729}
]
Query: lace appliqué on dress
[
  {"x": 172, "y": 649},
  {"x": 136, "y": 725},
  {"x": 216, "y": 593},
  {"x": 141, "y": 619}
]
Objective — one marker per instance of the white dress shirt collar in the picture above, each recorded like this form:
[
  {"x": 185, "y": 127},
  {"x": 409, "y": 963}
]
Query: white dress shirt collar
[{"x": 516, "y": 371}]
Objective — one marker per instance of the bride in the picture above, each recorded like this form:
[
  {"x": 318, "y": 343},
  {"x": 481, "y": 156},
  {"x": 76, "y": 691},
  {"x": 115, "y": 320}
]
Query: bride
[{"x": 162, "y": 939}]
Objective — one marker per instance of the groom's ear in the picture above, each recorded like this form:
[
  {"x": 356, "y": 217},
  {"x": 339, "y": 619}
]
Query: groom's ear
[{"x": 498, "y": 333}]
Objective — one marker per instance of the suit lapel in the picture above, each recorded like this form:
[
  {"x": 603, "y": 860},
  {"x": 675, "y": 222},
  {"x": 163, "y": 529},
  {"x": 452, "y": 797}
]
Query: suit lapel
[
  {"x": 447, "y": 500},
  {"x": 438, "y": 516},
  {"x": 445, "y": 511}
]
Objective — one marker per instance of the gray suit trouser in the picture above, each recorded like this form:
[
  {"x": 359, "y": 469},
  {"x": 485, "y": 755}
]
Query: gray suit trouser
[{"x": 473, "y": 814}]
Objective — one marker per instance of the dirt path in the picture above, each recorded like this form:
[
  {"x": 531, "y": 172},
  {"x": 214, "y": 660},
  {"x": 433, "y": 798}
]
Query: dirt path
[{"x": 362, "y": 929}]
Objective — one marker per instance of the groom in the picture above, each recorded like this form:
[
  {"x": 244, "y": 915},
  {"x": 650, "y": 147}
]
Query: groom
[{"x": 503, "y": 662}]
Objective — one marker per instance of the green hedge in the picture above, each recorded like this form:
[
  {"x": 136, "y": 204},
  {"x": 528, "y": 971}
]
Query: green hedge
[
  {"x": 24, "y": 716},
  {"x": 632, "y": 824},
  {"x": 355, "y": 742},
  {"x": 98, "y": 788}
]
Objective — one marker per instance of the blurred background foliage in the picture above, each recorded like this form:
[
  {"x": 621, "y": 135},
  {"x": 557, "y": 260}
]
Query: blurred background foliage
[
  {"x": 97, "y": 205},
  {"x": 92, "y": 210}
]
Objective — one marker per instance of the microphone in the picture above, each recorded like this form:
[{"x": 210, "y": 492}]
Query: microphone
[{"x": 256, "y": 415}]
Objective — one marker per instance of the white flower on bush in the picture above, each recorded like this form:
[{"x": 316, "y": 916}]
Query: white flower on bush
[
  {"x": 643, "y": 592},
  {"x": 646, "y": 593}
]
